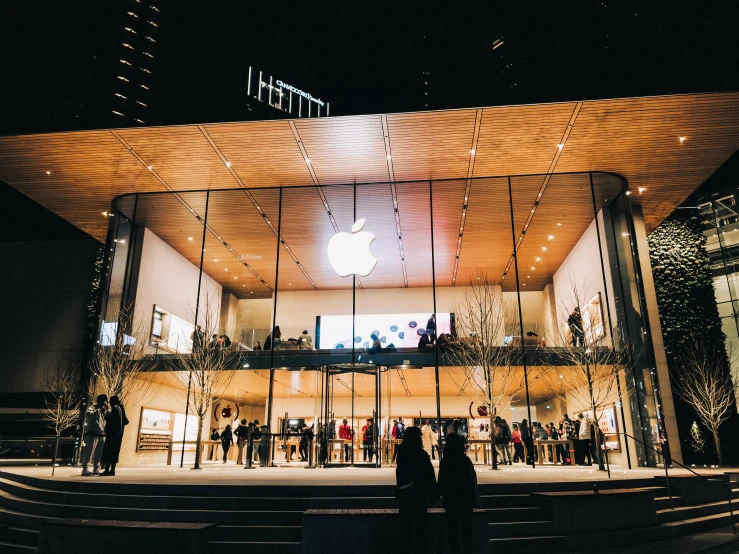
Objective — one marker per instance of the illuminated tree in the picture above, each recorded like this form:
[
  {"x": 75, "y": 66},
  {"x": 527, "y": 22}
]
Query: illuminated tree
[{"x": 62, "y": 399}]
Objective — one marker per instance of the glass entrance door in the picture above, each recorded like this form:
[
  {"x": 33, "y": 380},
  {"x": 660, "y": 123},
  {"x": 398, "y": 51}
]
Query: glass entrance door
[{"x": 351, "y": 415}]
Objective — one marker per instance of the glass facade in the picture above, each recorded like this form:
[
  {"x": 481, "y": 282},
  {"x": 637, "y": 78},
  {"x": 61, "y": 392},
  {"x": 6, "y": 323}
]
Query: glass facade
[{"x": 514, "y": 297}]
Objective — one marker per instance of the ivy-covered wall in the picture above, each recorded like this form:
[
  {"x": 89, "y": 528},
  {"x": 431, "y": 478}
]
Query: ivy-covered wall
[{"x": 686, "y": 300}]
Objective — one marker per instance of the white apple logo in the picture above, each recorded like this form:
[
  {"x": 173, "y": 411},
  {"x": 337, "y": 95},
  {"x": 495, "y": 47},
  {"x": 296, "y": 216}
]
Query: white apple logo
[{"x": 349, "y": 253}]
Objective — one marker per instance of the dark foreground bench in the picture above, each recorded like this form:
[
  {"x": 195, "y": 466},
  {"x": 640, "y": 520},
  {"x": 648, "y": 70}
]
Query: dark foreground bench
[
  {"x": 89, "y": 536},
  {"x": 578, "y": 511},
  {"x": 370, "y": 531}
]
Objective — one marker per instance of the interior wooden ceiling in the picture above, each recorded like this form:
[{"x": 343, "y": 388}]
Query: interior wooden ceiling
[
  {"x": 252, "y": 387},
  {"x": 77, "y": 174}
]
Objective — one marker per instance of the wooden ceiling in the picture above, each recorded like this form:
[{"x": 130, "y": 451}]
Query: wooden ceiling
[{"x": 77, "y": 174}]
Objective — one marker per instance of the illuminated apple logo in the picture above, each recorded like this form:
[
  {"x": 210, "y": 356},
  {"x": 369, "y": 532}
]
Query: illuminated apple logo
[{"x": 349, "y": 253}]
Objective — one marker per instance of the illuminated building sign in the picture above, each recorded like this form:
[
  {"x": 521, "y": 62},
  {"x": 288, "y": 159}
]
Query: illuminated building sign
[
  {"x": 298, "y": 91},
  {"x": 282, "y": 96}
]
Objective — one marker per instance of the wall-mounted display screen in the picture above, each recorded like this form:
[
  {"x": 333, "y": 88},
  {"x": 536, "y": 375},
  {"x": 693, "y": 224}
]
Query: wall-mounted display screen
[{"x": 400, "y": 330}]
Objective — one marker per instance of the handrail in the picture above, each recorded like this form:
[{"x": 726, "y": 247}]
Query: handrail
[{"x": 667, "y": 477}]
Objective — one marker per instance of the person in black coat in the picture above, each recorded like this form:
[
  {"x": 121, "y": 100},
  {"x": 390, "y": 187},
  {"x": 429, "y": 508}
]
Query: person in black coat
[
  {"x": 459, "y": 495},
  {"x": 115, "y": 423},
  {"x": 528, "y": 441},
  {"x": 227, "y": 439},
  {"x": 416, "y": 487}
]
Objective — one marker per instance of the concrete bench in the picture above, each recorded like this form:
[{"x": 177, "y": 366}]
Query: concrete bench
[
  {"x": 376, "y": 531},
  {"x": 701, "y": 489},
  {"x": 89, "y": 536},
  {"x": 585, "y": 511}
]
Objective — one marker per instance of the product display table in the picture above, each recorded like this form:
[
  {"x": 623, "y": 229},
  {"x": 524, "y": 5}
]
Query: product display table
[{"x": 541, "y": 446}]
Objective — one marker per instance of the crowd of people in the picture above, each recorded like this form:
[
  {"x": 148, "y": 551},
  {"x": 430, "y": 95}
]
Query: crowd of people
[
  {"x": 516, "y": 445},
  {"x": 247, "y": 436},
  {"x": 105, "y": 422}
]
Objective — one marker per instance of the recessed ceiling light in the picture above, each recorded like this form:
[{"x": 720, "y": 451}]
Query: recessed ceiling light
[
  {"x": 105, "y": 214},
  {"x": 538, "y": 259},
  {"x": 189, "y": 238},
  {"x": 532, "y": 268},
  {"x": 389, "y": 156},
  {"x": 307, "y": 160},
  {"x": 682, "y": 139},
  {"x": 228, "y": 164},
  {"x": 560, "y": 146},
  {"x": 642, "y": 189},
  {"x": 148, "y": 167},
  {"x": 48, "y": 172},
  {"x": 235, "y": 277},
  {"x": 543, "y": 248},
  {"x": 472, "y": 152},
  {"x": 225, "y": 269},
  {"x": 628, "y": 192},
  {"x": 528, "y": 276},
  {"x": 551, "y": 237},
  {"x": 559, "y": 224},
  {"x": 215, "y": 260}
]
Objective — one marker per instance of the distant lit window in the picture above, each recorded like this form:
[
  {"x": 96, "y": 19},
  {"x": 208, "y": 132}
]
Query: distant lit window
[
  {"x": 124, "y": 61},
  {"x": 127, "y": 45},
  {"x": 139, "y": 120},
  {"x": 155, "y": 9},
  {"x": 121, "y": 96},
  {"x": 152, "y": 23},
  {"x": 142, "y": 104},
  {"x": 118, "y": 113},
  {"x": 144, "y": 87},
  {"x": 123, "y": 79},
  {"x": 130, "y": 30},
  {"x": 146, "y": 71},
  {"x": 148, "y": 55},
  {"x": 133, "y": 14},
  {"x": 151, "y": 39}
]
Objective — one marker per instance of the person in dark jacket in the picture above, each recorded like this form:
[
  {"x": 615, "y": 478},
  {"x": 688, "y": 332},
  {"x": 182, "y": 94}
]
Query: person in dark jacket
[
  {"x": 459, "y": 496},
  {"x": 416, "y": 487},
  {"x": 214, "y": 436},
  {"x": 528, "y": 441},
  {"x": 115, "y": 423},
  {"x": 94, "y": 438},
  {"x": 241, "y": 433},
  {"x": 227, "y": 439},
  {"x": 273, "y": 339}
]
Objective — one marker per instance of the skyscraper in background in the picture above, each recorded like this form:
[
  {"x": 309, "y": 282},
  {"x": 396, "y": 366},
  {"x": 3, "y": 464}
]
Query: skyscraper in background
[{"x": 134, "y": 62}]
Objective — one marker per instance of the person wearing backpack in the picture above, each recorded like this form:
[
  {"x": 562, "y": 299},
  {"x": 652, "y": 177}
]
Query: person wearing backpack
[
  {"x": 503, "y": 441},
  {"x": 459, "y": 494},
  {"x": 416, "y": 487}
]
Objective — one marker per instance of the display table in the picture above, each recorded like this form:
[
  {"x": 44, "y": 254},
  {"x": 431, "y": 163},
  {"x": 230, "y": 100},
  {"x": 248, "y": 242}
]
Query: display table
[
  {"x": 541, "y": 446},
  {"x": 477, "y": 445},
  {"x": 332, "y": 450},
  {"x": 290, "y": 447}
]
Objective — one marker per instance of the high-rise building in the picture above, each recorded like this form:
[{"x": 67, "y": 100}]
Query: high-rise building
[
  {"x": 134, "y": 62},
  {"x": 276, "y": 99}
]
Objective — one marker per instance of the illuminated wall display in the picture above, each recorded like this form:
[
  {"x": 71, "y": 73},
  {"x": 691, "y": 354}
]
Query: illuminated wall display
[{"x": 283, "y": 96}]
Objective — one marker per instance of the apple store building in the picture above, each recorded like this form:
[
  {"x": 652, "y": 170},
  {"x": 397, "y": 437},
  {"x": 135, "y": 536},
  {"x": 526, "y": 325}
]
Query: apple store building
[{"x": 342, "y": 313}]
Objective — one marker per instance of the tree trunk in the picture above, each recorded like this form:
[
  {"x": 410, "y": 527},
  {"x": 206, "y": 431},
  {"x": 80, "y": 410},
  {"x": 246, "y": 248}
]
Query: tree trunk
[
  {"x": 198, "y": 441},
  {"x": 53, "y": 458},
  {"x": 596, "y": 438},
  {"x": 492, "y": 438},
  {"x": 717, "y": 442}
]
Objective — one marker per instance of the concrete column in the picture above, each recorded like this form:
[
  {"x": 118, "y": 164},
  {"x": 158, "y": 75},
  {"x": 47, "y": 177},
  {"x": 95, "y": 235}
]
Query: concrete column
[{"x": 668, "y": 406}]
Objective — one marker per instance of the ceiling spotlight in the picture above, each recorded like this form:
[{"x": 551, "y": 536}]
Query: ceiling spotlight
[
  {"x": 307, "y": 160},
  {"x": 235, "y": 277},
  {"x": 225, "y": 269},
  {"x": 682, "y": 139},
  {"x": 48, "y": 172},
  {"x": 628, "y": 193},
  {"x": 551, "y": 237},
  {"x": 215, "y": 260},
  {"x": 559, "y": 224},
  {"x": 389, "y": 156},
  {"x": 543, "y": 248},
  {"x": 228, "y": 164},
  {"x": 642, "y": 189},
  {"x": 560, "y": 146},
  {"x": 472, "y": 151},
  {"x": 148, "y": 167},
  {"x": 105, "y": 214},
  {"x": 533, "y": 268},
  {"x": 528, "y": 276},
  {"x": 189, "y": 238},
  {"x": 538, "y": 259}
]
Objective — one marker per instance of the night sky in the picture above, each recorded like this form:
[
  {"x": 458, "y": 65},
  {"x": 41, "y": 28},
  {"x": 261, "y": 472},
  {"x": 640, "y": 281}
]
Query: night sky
[{"x": 58, "y": 63}]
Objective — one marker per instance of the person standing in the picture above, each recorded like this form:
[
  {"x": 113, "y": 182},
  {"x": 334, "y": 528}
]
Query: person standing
[
  {"x": 415, "y": 488},
  {"x": 214, "y": 436},
  {"x": 584, "y": 437},
  {"x": 263, "y": 444},
  {"x": 567, "y": 433},
  {"x": 426, "y": 433},
  {"x": 576, "y": 330},
  {"x": 459, "y": 494},
  {"x": 503, "y": 441},
  {"x": 435, "y": 443},
  {"x": 345, "y": 433},
  {"x": 273, "y": 339},
  {"x": 258, "y": 347},
  {"x": 398, "y": 435},
  {"x": 115, "y": 422},
  {"x": 94, "y": 436},
  {"x": 227, "y": 439},
  {"x": 242, "y": 433},
  {"x": 528, "y": 441},
  {"x": 368, "y": 440},
  {"x": 304, "y": 341},
  {"x": 518, "y": 455},
  {"x": 256, "y": 437}
]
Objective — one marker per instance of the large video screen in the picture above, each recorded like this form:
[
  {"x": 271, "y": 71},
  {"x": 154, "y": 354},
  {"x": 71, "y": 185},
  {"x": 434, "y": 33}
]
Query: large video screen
[{"x": 400, "y": 330}]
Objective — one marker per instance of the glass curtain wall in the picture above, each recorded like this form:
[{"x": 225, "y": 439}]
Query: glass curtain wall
[{"x": 253, "y": 272}]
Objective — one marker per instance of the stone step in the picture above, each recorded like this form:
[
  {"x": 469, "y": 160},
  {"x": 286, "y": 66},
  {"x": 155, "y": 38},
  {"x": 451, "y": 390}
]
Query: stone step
[
  {"x": 512, "y": 529},
  {"x": 663, "y": 502},
  {"x": 12, "y": 548},
  {"x": 544, "y": 543},
  {"x": 21, "y": 535},
  {"x": 506, "y": 501},
  {"x": 219, "y": 547},
  {"x": 13, "y": 518},
  {"x": 509, "y": 515},
  {"x": 681, "y": 513},
  {"x": 143, "y": 514},
  {"x": 257, "y": 533}
]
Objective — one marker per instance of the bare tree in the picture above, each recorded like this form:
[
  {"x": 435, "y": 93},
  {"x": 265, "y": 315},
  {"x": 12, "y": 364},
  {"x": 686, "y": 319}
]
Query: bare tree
[
  {"x": 203, "y": 370},
  {"x": 478, "y": 346},
  {"x": 588, "y": 364},
  {"x": 703, "y": 381},
  {"x": 62, "y": 399},
  {"x": 121, "y": 359}
]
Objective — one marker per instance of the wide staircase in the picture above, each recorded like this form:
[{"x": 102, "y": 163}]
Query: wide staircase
[{"x": 261, "y": 519}]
